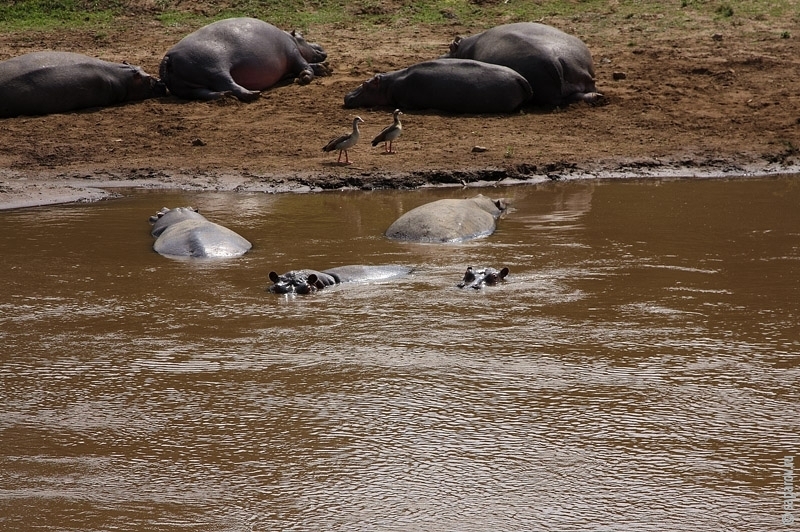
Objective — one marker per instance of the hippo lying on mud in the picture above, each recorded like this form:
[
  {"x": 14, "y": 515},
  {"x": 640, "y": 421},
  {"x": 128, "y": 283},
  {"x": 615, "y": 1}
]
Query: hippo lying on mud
[
  {"x": 307, "y": 281},
  {"x": 479, "y": 278},
  {"x": 448, "y": 220},
  {"x": 557, "y": 65},
  {"x": 184, "y": 232},
  {"x": 453, "y": 85},
  {"x": 41, "y": 83},
  {"x": 239, "y": 56}
]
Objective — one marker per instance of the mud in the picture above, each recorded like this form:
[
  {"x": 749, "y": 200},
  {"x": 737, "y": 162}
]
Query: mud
[{"x": 704, "y": 100}]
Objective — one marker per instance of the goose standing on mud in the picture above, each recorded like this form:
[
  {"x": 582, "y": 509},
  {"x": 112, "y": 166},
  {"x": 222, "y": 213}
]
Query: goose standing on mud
[
  {"x": 345, "y": 142},
  {"x": 390, "y": 133}
]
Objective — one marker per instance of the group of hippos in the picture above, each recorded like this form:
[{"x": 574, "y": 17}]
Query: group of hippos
[
  {"x": 184, "y": 232},
  {"x": 496, "y": 71}
]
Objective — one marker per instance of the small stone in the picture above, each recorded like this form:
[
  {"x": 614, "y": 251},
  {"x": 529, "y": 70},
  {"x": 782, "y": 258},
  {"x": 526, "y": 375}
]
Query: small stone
[
  {"x": 479, "y": 149},
  {"x": 619, "y": 75},
  {"x": 198, "y": 142}
]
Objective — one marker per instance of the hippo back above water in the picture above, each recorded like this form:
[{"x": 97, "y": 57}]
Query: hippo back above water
[
  {"x": 184, "y": 232},
  {"x": 557, "y": 65},
  {"x": 448, "y": 220},
  {"x": 454, "y": 85},
  {"x": 41, "y": 83},
  {"x": 239, "y": 56}
]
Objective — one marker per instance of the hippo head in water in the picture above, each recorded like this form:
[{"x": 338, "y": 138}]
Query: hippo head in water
[
  {"x": 299, "y": 282},
  {"x": 478, "y": 278}
]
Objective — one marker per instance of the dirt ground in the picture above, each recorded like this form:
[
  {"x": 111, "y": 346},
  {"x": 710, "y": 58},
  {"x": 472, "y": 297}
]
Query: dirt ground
[{"x": 719, "y": 100}]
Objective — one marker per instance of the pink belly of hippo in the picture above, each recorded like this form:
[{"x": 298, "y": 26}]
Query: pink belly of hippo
[{"x": 258, "y": 76}]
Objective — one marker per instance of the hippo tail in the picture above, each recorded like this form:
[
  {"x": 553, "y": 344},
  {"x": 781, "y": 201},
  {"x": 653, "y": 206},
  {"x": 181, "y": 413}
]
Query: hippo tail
[
  {"x": 527, "y": 91},
  {"x": 165, "y": 70}
]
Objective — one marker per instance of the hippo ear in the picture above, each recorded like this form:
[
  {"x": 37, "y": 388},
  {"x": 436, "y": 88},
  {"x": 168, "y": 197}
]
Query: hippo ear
[
  {"x": 469, "y": 276},
  {"x": 454, "y": 45},
  {"x": 503, "y": 273},
  {"x": 502, "y": 204},
  {"x": 274, "y": 277}
]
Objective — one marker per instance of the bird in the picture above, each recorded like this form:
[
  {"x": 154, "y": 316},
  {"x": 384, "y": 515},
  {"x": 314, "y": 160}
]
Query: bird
[
  {"x": 345, "y": 142},
  {"x": 390, "y": 133}
]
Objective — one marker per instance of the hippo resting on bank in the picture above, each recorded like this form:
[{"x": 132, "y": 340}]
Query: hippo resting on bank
[
  {"x": 41, "y": 83},
  {"x": 482, "y": 277},
  {"x": 239, "y": 56},
  {"x": 557, "y": 65},
  {"x": 454, "y": 85},
  {"x": 448, "y": 220},
  {"x": 184, "y": 232},
  {"x": 306, "y": 281}
]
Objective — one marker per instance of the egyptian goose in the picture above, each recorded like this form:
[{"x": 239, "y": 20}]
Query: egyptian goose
[
  {"x": 345, "y": 142},
  {"x": 390, "y": 133}
]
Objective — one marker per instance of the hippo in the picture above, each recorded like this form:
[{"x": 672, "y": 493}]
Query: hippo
[
  {"x": 479, "y": 278},
  {"x": 41, "y": 83},
  {"x": 307, "y": 281},
  {"x": 184, "y": 232},
  {"x": 452, "y": 85},
  {"x": 557, "y": 65},
  {"x": 448, "y": 220},
  {"x": 239, "y": 57}
]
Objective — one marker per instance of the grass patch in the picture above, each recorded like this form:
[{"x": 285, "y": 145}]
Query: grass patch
[{"x": 46, "y": 14}]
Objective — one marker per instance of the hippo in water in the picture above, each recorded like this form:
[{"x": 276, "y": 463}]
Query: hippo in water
[
  {"x": 239, "y": 56},
  {"x": 41, "y": 83},
  {"x": 557, "y": 65},
  {"x": 453, "y": 85},
  {"x": 184, "y": 232},
  {"x": 306, "y": 281},
  {"x": 448, "y": 220},
  {"x": 478, "y": 278}
]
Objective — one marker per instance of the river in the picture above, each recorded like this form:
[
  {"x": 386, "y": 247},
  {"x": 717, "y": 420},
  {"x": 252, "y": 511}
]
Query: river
[{"x": 638, "y": 370}]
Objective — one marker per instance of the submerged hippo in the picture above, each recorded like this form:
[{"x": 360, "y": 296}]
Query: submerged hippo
[
  {"x": 239, "y": 56},
  {"x": 41, "y": 83},
  {"x": 448, "y": 220},
  {"x": 454, "y": 85},
  {"x": 306, "y": 281},
  {"x": 479, "y": 278},
  {"x": 184, "y": 232},
  {"x": 557, "y": 65}
]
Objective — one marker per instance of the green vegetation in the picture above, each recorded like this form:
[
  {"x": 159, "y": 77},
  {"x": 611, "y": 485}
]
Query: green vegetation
[
  {"x": 725, "y": 10},
  {"x": 49, "y": 14}
]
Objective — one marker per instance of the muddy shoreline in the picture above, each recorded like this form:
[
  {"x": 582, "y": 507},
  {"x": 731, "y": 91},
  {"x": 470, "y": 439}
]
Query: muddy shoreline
[{"x": 50, "y": 188}]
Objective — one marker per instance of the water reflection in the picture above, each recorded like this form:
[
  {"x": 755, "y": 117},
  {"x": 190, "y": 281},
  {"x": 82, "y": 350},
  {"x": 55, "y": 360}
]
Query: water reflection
[{"x": 636, "y": 371}]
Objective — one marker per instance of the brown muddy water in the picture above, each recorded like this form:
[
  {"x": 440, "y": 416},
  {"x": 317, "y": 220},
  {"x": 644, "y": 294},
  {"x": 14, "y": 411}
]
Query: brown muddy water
[{"x": 638, "y": 370}]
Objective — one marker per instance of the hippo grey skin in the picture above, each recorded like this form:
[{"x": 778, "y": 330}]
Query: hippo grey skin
[
  {"x": 478, "y": 278},
  {"x": 448, "y": 220},
  {"x": 557, "y": 65},
  {"x": 42, "y": 83},
  {"x": 454, "y": 85},
  {"x": 307, "y": 281},
  {"x": 184, "y": 232},
  {"x": 239, "y": 56}
]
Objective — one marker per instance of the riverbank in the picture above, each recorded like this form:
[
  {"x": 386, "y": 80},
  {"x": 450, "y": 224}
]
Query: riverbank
[{"x": 710, "y": 97}]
